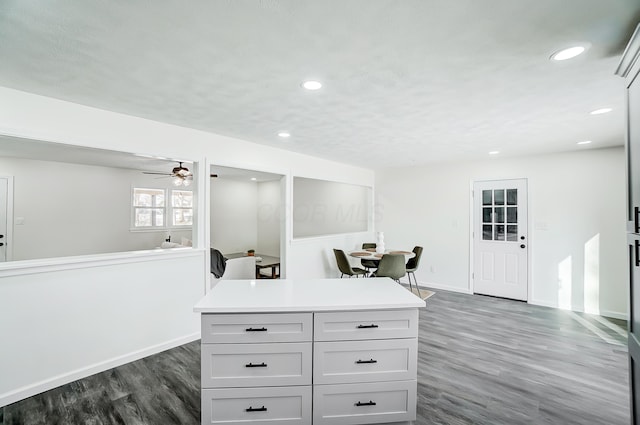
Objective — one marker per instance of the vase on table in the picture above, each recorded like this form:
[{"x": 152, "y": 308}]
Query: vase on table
[{"x": 380, "y": 242}]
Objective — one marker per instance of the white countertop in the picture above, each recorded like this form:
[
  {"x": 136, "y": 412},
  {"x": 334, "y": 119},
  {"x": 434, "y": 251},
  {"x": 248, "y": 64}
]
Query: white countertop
[{"x": 301, "y": 295}]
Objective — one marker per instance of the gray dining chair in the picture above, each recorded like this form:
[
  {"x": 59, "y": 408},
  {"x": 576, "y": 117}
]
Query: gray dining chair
[
  {"x": 345, "y": 267},
  {"x": 391, "y": 265},
  {"x": 412, "y": 266},
  {"x": 369, "y": 264}
]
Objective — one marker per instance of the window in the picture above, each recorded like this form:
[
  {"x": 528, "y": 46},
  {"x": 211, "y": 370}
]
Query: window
[
  {"x": 150, "y": 209},
  {"x": 182, "y": 204}
]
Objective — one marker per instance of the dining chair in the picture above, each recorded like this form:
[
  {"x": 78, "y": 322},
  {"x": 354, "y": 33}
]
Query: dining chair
[
  {"x": 391, "y": 265},
  {"x": 369, "y": 264},
  {"x": 345, "y": 267},
  {"x": 412, "y": 266}
]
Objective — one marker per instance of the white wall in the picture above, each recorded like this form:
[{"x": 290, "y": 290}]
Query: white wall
[
  {"x": 62, "y": 325},
  {"x": 70, "y": 209},
  {"x": 269, "y": 218},
  {"x": 574, "y": 199},
  {"x": 234, "y": 215},
  {"x": 155, "y": 302}
]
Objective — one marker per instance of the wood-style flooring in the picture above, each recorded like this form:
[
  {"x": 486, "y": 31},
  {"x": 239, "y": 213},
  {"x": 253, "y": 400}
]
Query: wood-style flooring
[{"x": 482, "y": 360}]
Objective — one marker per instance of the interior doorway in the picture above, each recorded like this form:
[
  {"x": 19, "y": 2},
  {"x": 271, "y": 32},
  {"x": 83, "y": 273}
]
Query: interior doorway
[
  {"x": 247, "y": 220},
  {"x": 500, "y": 238},
  {"x": 6, "y": 214}
]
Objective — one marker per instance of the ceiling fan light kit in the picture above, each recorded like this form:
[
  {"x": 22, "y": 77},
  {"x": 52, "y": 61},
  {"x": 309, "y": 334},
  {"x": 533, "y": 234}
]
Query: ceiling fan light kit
[{"x": 181, "y": 175}]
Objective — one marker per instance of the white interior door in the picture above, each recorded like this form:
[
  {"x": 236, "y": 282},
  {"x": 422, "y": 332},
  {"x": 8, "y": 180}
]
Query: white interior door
[
  {"x": 500, "y": 240},
  {"x": 4, "y": 214}
]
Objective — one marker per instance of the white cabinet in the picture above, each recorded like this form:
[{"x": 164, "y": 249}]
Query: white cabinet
[
  {"x": 256, "y": 365},
  {"x": 252, "y": 372},
  {"x": 345, "y": 362},
  {"x": 365, "y": 367},
  {"x": 290, "y": 405},
  {"x": 372, "y": 403},
  {"x": 355, "y": 325},
  {"x": 327, "y": 351},
  {"x": 251, "y": 328}
]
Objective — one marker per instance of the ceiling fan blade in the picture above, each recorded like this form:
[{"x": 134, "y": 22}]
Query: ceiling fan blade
[{"x": 160, "y": 174}]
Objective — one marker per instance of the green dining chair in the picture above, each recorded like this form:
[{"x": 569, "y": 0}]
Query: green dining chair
[
  {"x": 412, "y": 266},
  {"x": 345, "y": 267},
  {"x": 369, "y": 264},
  {"x": 391, "y": 265}
]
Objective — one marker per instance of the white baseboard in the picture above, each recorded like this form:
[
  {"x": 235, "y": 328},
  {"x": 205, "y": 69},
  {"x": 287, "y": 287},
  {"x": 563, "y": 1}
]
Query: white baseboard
[
  {"x": 604, "y": 313},
  {"x": 427, "y": 285},
  {"x": 543, "y": 303},
  {"x": 614, "y": 315},
  {"x": 65, "y": 378}
]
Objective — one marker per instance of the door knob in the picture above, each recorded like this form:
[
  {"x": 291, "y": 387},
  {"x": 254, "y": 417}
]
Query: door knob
[{"x": 523, "y": 246}]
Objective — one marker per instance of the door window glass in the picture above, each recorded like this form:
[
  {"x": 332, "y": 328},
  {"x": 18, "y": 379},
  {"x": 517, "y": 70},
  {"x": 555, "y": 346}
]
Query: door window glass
[
  {"x": 495, "y": 215},
  {"x": 486, "y": 197},
  {"x": 486, "y": 232}
]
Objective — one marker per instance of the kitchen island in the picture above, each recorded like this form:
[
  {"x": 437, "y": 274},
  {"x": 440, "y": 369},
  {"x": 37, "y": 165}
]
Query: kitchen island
[{"x": 309, "y": 351}]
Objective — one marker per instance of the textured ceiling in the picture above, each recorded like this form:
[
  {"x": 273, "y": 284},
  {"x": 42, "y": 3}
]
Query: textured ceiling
[{"x": 405, "y": 82}]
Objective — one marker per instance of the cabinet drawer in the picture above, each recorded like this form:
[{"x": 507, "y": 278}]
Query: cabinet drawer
[
  {"x": 249, "y": 365},
  {"x": 356, "y": 325},
  {"x": 364, "y": 403},
  {"x": 257, "y": 405},
  {"x": 249, "y": 328},
  {"x": 365, "y": 361}
]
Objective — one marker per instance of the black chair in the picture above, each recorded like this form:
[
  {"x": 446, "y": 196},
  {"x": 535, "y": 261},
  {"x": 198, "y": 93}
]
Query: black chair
[
  {"x": 345, "y": 267},
  {"x": 412, "y": 266},
  {"x": 391, "y": 265},
  {"x": 369, "y": 264}
]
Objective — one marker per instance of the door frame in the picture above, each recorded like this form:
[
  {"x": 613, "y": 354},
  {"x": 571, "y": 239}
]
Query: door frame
[
  {"x": 9, "y": 235},
  {"x": 472, "y": 182}
]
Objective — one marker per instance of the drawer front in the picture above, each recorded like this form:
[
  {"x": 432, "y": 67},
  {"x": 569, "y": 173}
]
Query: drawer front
[
  {"x": 291, "y": 405},
  {"x": 249, "y": 365},
  {"x": 364, "y": 403},
  {"x": 356, "y": 325},
  {"x": 250, "y": 328},
  {"x": 365, "y": 361}
]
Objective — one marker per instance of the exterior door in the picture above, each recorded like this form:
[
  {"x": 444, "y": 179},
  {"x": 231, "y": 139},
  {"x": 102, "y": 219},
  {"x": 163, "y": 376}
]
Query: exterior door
[
  {"x": 500, "y": 241},
  {"x": 4, "y": 214}
]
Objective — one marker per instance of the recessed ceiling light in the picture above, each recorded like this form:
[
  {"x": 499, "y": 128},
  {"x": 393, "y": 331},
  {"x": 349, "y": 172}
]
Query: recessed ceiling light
[
  {"x": 312, "y": 85},
  {"x": 601, "y": 111},
  {"x": 584, "y": 142},
  {"x": 568, "y": 53},
  {"x": 253, "y": 179},
  {"x": 494, "y": 152},
  {"x": 284, "y": 134}
]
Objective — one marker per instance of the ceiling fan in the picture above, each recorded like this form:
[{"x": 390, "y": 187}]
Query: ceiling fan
[{"x": 181, "y": 175}]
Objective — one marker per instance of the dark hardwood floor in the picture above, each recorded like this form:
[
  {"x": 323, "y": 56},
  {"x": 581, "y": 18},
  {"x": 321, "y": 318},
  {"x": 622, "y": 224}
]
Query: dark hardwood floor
[{"x": 482, "y": 360}]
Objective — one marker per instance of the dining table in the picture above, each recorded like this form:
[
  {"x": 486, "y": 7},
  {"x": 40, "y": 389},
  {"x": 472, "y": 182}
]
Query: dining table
[{"x": 371, "y": 254}]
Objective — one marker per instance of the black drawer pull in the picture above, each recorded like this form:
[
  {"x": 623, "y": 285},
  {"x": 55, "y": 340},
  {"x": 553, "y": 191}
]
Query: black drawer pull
[
  {"x": 371, "y": 326},
  {"x": 263, "y": 364},
  {"x": 370, "y": 403},
  {"x": 366, "y": 361},
  {"x": 257, "y": 409},
  {"x": 637, "y": 246},
  {"x": 636, "y": 220},
  {"x": 263, "y": 329}
]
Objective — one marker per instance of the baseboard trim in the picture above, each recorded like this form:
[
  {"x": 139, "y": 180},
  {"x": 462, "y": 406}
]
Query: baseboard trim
[
  {"x": 56, "y": 381},
  {"x": 614, "y": 315},
  {"x": 427, "y": 285},
  {"x": 603, "y": 313}
]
